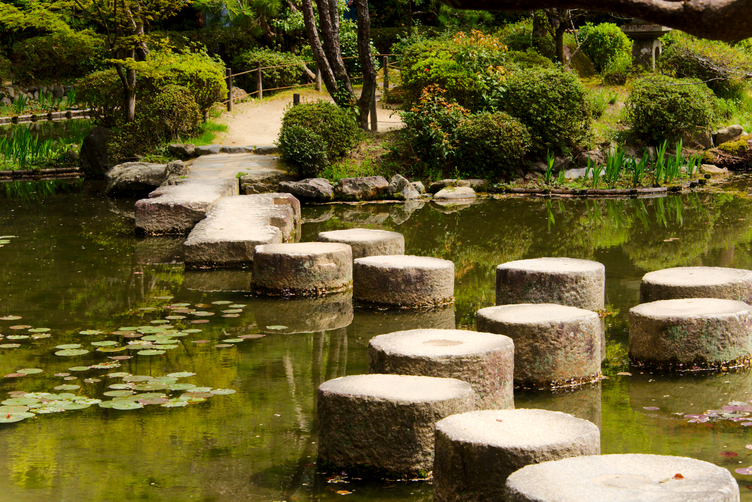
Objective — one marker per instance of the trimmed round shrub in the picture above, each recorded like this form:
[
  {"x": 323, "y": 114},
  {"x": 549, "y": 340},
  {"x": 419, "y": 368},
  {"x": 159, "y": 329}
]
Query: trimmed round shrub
[
  {"x": 335, "y": 126},
  {"x": 722, "y": 66},
  {"x": 102, "y": 93},
  {"x": 662, "y": 108},
  {"x": 604, "y": 43},
  {"x": 60, "y": 56},
  {"x": 491, "y": 144},
  {"x": 281, "y": 69},
  {"x": 617, "y": 71},
  {"x": 303, "y": 150},
  {"x": 171, "y": 113},
  {"x": 552, "y": 105}
]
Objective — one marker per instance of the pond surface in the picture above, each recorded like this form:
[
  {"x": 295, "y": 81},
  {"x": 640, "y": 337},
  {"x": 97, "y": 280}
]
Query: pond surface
[{"x": 75, "y": 266}]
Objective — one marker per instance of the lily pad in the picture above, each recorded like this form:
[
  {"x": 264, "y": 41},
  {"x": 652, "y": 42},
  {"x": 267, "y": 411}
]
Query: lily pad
[
  {"x": 166, "y": 297},
  {"x": 17, "y": 337},
  {"x": 40, "y": 336},
  {"x": 181, "y": 386},
  {"x": 68, "y": 406},
  {"x": 20, "y": 326},
  {"x": 109, "y": 350},
  {"x": 192, "y": 330},
  {"x": 71, "y": 352},
  {"x": 10, "y": 418},
  {"x": 120, "y": 358},
  {"x": 10, "y": 318},
  {"x": 67, "y": 346},
  {"x": 90, "y": 332},
  {"x": 67, "y": 387},
  {"x": 39, "y": 330},
  {"x": 251, "y": 337},
  {"x": 232, "y": 311},
  {"x": 105, "y": 366},
  {"x": 175, "y": 403},
  {"x": 160, "y": 321},
  {"x": 237, "y": 306},
  {"x": 120, "y": 386},
  {"x": 224, "y": 345},
  {"x": 276, "y": 327},
  {"x": 175, "y": 317},
  {"x": 203, "y": 313},
  {"x": 181, "y": 374},
  {"x": 119, "y": 374},
  {"x": 79, "y": 368},
  {"x": 13, "y": 409},
  {"x": 223, "y": 392},
  {"x": 150, "y": 386},
  {"x": 126, "y": 405},
  {"x": 128, "y": 328},
  {"x": 107, "y": 404},
  {"x": 118, "y": 393},
  {"x": 230, "y": 315},
  {"x": 151, "y": 352},
  {"x": 232, "y": 340},
  {"x": 9, "y": 345},
  {"x": 104, "y": 343},
  {"x": 152, "y": 400},
  {"x": 30, "y": 371},
  {"x": 20, "y": 401},
  {"x": 14, "y": 375}
]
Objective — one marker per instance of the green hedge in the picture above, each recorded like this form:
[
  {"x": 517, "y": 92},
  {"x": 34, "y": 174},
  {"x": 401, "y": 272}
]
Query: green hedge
[
  {"x": 552, "y": 104},
  {"x": 58, "y": 57},
  {"x": 604, "y": 44},
  {"x": 491, "y": 144},
  {"x": 663, "y": 108}
]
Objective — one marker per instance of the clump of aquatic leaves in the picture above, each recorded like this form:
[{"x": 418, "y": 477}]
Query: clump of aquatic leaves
[
  {"x": 5, "y": 239},
  {"x": 735, "y": 411}
]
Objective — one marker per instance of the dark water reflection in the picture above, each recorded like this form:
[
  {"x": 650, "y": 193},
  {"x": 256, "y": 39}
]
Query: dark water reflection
[{"x": 75, "y": 265}]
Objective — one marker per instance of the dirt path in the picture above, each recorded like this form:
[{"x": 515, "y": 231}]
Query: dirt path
[{"x": 255, "y": 123}]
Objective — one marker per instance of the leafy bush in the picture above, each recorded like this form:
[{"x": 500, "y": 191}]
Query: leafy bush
[
  {"x": 5, "y": 68},
  {"x": 517, "y": 36},
  {"x": 617, "y": 70},
  {"x": 604, "y": 44},
  {"x": 552, "y": 104},
  {"x": 60, "y": 56},
  {"x": 470, "y": 68},
  {"x": 720, "y": 65},
  {"x": 662, "y": 108},
  {"x": 289, "y": 72},
  {"x": 335, "y": 126},
  {"x": 303, "y": 150},
  {"x": 430, "y": 126},
  {"x": 171, "y": 113},
  {"x": 491, "y": 144},
  {"x": 202, "y": 75},
  {"x": 102, "y": 92},
  {"x": 528, "y": 59}
]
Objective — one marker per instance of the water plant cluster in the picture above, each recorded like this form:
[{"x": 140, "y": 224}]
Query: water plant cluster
[
  {"x": 22, "y": 148},
  {"x": 119, "y": 390}
]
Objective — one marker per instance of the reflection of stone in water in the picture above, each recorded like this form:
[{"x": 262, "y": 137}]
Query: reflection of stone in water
[
  {"x": 583, "y": 402},
  {"x": 400, "y": 213},
  {"x": 687, "y": 392},
  {"x": 369, "y": 323},
  {"x": 304, "y": 315},
  {"x": 452, "y": 206},
  {"x": 318, "y": 214},
  {"x": 218, "y": 280},
  {"x": 159, "y": 250},
  {"x": 372, "y": 214}
]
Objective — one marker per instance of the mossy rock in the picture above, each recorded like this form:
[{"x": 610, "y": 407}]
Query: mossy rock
[
  {"x": 733, "y": 155},
  {"x": 580, "y": 63},
  {"x": 738, "y": 147}
]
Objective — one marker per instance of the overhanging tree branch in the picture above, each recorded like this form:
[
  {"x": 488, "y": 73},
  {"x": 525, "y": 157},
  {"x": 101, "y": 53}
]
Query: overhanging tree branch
[{"x": 728, "y": 20}]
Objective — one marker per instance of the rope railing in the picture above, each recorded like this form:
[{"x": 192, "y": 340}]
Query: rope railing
[{"x": 259, "y": 92}]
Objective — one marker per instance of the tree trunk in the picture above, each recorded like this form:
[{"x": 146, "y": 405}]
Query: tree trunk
[
  {"x": 559, "y": 38},
  {"x": 366, "y": 62},
  {"x": 728, "y": 20},
  {"x": 128, "y": 79}
]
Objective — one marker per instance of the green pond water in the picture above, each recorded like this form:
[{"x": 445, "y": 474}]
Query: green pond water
[{"x": 74, "y": 265}]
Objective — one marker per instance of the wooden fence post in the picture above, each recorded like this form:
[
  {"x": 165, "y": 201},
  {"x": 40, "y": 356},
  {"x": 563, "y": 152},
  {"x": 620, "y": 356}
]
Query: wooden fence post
[
  {"x": 229, "y": 89},
  {"x": 295, "y": 99},
  {"x": 259, "y": 85},
  {"x": 374, "y": 117},
  {"x": 385, "y": 64}
]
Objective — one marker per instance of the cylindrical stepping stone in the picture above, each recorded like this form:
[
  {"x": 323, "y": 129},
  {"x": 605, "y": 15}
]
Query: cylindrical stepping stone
[
  {"x": 403, "y": 281},
  {"x": 484, "y": 360},
  {"x": 706, "y": 332},
  {"x": 304, "y": 315},
  {"x": 553, "y": 344},
  {"x": 383, "y": 425},
  {"x": 566, "y": 281},
  {"x": 367, "y": 242},
  {"x": 623, "y": 478},
  {"x": 697, "y": 282},
  {"x": 308, "y": 268},
  {"x": 477, "y": 451}
]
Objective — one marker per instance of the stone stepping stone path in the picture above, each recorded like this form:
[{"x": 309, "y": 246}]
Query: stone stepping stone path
[
  {"x": 566, "y": 281},
  {"x": 367, "y": 242},
  {"x": 623, "y": 478},
  {"x": 484, "y": 360},
  {"x": 403, "y": 281},
  {"x": 553, "y": 344},
  {"x": 175, "y": 209},
  {"x": 383, "y": 425},
  {"x": 478, "y": 450},
  {"x": 697, "y": 282},
  {"x": 708, "y": 332},
  {"x": 235, "y": 225},
  {"x": 306, "y": 268}
]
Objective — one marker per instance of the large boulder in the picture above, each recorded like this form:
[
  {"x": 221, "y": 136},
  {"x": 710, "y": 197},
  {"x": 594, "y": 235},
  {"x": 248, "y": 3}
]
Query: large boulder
[
  {"x": 176, "y": 172},
  {"x": 265, "y": 180},
  {"x": 134, "y": 179},
  {"x": 94, "y": 162},
  {"x": 311, "y": 189},
  {"x": 733, "y": 155},
  {"x": 365, "y": 188},
  {"x": 400, "y": 188},
  {"x": 182, "y": 150},
  {"x": 730, "y": 133}
]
